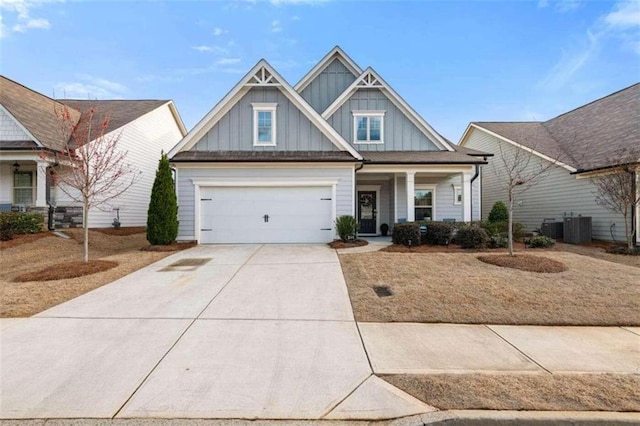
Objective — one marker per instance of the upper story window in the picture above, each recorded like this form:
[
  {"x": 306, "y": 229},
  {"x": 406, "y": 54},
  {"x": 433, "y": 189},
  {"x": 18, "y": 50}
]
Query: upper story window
[
  {"x": 368, "y": 126},
  {"x": 264, "y": 124}
]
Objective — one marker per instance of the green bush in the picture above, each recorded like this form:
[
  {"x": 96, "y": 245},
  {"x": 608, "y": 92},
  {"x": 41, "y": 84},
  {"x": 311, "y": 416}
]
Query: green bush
[
  {"x": 6, "y": 232},
  {"x": 407, "y": 234},
  {"x": 162, "y": 216},
  {"x": 472, "y": 236},
  {"x": 22, "y": 223},
  {"x": 346, "y": 226},
  {"x": 540, "y": 241},
  {"x": 499, "y": 212},
  {"x": 438, "y": 233},
  {"x": 498, "y": 241},
  {"x": 500, "y": 229}
]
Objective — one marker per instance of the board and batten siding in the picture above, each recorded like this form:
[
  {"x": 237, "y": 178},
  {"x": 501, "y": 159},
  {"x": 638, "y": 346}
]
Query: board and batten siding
[
  {"x": 556, "y": 195},
  {"x": 186, "y": 188},
  {"x": 143, "y": 139},
  {"x": 328, "y": 85},
  {"x": 10, "y": 130},
  {"x": 400, "y": 134},
  {"x": 294, "y": 131}
]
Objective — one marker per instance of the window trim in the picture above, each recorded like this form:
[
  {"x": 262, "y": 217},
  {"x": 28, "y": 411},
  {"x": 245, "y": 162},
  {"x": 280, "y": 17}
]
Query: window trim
[
  {"x": 456, "y": 189},
  {"x": 368, "y": 141},
  {"x": 432, "y": 188},
  {"x": 264, "y": 107},
  {"x": 31, "y": 187}
]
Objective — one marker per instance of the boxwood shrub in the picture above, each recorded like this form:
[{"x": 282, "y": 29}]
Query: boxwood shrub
[
  {"x": 22, "y": 223},
  {"x": 472, "y": 236},
  {"x": 438, "y": 233},
  {"x": 407, "y": 234},
  {"x": 540, "y": 241}
]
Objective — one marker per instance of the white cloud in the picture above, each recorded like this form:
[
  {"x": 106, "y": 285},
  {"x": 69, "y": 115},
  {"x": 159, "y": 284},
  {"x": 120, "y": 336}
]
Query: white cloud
[
  {"x": 202, "y": 48},
  {"x": 22, "y": 10},
  {"x": 625, "y": 15},
  {"x": 275, "y": 26},
  {"x": 217, "y": 31},
  {"x": 295, "y": 18},
  {"x": 227, "y": 61},
  {"x": 212, "y": 49},
  {"x": 560, "y": 6},
  {"x": 89, "y": 87}
]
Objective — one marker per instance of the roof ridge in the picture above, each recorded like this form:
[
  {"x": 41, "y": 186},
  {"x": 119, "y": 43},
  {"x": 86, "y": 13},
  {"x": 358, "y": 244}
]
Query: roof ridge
[{"x": 593, "y": 102}]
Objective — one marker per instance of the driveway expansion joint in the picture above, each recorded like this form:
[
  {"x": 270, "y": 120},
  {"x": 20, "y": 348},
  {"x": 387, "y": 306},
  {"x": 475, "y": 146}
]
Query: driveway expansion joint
[{"x": 518, "y": 349}]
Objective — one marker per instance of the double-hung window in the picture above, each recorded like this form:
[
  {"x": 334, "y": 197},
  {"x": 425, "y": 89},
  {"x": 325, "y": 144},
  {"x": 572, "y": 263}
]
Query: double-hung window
[
  {"x": 457, "y": 195},
  {"x": 368, "y": 127},
  {"x": 264, "y": 124},
  {"x": 424, "y": 197},
  {"x": 23, "y": 188}
]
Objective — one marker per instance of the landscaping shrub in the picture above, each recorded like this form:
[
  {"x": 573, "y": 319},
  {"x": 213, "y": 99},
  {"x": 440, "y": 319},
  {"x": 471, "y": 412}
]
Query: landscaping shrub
[
  {"x": 540, "y": 241},
  {"x": 498, "y": 241},
  {"x": 496, "y": 229},
  {"x": 407, "y": 234},
  {"x": 22, "y": 223},
  {"x": 346, "y": 226},
  {"x": 438, "y": 233},
  {"x": 6, "y": 232},
  {"x": 162, "y": 216},
  {"x": 499, "y": 212},
  {"x": 472, "y": 236}
]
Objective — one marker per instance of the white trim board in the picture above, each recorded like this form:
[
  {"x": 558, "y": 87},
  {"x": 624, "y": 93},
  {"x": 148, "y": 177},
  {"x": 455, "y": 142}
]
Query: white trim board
[
  {"x": 335, "y": 53},
  {"x": 369, "y": 78},
  {"x": 262, "y": 68},
  {"x": 472, "y": 126}
]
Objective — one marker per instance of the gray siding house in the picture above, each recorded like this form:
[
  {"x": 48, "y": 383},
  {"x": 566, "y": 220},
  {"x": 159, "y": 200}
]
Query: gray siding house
[
  {"x": 275, "y": 163},
  {"x": 581, "y": 143}
]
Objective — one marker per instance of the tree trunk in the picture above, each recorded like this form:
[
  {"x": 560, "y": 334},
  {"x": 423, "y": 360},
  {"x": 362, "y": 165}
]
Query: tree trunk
[
  {"x": 85, "y": 224},
  {"x": 510, "y": 228},
  {"x": 628, "y": 234}
]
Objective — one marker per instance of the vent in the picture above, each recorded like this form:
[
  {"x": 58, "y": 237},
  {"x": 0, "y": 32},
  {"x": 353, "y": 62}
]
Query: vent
[{"x": 382, "y": 291}]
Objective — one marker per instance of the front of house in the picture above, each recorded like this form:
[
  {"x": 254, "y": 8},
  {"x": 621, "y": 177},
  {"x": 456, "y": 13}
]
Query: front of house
[{"x": 273, "y": 163}]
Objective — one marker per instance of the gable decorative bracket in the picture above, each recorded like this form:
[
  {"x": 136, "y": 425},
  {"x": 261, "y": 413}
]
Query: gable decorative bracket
[
  {"x": 263, "y": 77},
  {"x": 369, "y": 80}
]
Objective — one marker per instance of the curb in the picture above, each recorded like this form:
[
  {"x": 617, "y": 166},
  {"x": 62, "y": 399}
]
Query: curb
[{"x": 513, "y": 418}]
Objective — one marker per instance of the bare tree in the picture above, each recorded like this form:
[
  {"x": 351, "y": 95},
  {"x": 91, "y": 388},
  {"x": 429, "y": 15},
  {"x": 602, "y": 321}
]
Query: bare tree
[
  {"x": 617, "y": 191},
  {"x": 521, "y": 171},
  {"x": 93, "y": 169}
]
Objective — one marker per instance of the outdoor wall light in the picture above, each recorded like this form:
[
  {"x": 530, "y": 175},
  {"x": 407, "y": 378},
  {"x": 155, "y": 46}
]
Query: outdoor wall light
[{"x": 16, "y": 166}]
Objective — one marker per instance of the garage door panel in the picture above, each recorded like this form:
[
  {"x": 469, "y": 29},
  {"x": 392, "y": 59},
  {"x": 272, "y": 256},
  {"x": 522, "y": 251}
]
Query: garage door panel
[{"x": 295, "y": 214}]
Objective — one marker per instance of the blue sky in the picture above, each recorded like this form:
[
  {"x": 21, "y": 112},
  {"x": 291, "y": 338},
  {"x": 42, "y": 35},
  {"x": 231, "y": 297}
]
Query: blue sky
[{"x": 453, "y": 61}]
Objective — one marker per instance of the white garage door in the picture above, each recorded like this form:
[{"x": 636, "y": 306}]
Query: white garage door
[{"x": 265, "y": 215}]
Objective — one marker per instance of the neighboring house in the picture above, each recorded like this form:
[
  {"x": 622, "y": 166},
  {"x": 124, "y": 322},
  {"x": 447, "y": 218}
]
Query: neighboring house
[
  {"x": 272, "y": 163},
  {"x": 30, "y": 138},
  {"x": 583, "y": 142}
]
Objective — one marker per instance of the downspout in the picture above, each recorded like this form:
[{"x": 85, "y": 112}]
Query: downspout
[{"x": 475, "y": 176}]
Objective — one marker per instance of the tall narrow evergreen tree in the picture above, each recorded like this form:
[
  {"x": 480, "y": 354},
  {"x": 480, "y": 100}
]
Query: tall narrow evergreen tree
[{"x": 162, "y": 217}]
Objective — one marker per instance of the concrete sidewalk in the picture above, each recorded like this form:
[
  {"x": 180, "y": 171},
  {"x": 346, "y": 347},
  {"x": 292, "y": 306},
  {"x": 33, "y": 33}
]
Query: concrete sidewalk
[{"x": 412, "y": 348}]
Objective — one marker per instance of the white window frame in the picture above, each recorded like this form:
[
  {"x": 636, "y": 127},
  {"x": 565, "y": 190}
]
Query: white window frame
[
  {"x": 457, "y": 190},
  {"x": 368, "y": 114},
  {"x": 31, "y": 187},
  {"x": 264, "y": 107},
  {"x": 432, "y": 188}
]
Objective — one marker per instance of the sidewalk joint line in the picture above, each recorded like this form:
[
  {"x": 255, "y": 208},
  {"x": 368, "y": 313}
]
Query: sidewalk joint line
[
  {"x": 518, "y": 349},
  {"x": 326, "y": 413}
]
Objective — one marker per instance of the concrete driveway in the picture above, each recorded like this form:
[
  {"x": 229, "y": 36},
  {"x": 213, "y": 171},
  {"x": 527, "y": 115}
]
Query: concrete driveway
[{"x": 247, "y": 331}]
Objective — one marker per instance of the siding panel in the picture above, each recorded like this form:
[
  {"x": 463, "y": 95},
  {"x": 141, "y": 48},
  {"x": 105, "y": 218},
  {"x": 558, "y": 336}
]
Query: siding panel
[{"x": 328, "y": 85}]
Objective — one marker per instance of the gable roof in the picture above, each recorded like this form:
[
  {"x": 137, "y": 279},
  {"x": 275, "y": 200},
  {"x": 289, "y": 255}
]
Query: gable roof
[
  {"x": 35, "y": 112},
  {"x": 586, "y": 138},
  {"x": 335, "y": 53},
  {"x": 261, "y": 75},
  {"x": 38, "y": 114},
  {"x": 370, "y": 79}
]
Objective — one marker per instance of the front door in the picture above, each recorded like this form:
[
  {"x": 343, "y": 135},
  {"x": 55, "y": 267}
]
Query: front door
[{"x": 367, "y": 212}]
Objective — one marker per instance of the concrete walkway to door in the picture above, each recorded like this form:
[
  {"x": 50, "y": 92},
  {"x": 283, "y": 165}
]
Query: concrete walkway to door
[{"x": 245, "y": 331}]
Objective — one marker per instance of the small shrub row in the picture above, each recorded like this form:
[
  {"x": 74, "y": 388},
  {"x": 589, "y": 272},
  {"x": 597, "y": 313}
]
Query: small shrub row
[
  {"x": 540, "y": 241},
  {"x": 437, "y": 233},
  {"x": 472, "y": 236},
  {"x": 21, "y": 223},
  {"x": 406, "y": 234}
]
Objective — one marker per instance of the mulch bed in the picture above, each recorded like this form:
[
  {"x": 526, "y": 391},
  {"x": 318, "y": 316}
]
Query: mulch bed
[
  {"x": 525, "y": 262},
  {"x": 451, "y": 248},
  {"x": 170, "y": 247},
  {"x": 67, "y": 270},
  {"x": 339, "y": 244},
  {"x": 129, "y": 230},
  {"x": 19, "y": 239}
]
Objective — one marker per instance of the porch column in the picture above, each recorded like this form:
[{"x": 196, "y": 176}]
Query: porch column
[
  {"x": 411, "y": 185},
  {"x": 466, "y": 197},
  {"x": 41, "y": 184}
]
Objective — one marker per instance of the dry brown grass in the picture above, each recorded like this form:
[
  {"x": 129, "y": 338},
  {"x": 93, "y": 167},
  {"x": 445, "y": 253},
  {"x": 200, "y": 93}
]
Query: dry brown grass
[
  {"x": 597, "y": 250},
  {"x": 451, "y": 248},
  {"x": 563, "y": 392},
  {"x": 19, "y": 239},
  {"x": 29, "y": 298},
  {"x": 63, "y": 271},
  {"x": 124, "y": 231},
  {"x": 339, "y": 244},
  {"x": 525, "y": 262},
  {"x": 458, "y": 288}
]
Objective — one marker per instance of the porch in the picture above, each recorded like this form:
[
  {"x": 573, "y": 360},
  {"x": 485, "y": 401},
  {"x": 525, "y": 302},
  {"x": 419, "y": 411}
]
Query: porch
[
  {"x": 428, "y": 193},
  {"x": 24, "y": 182}
]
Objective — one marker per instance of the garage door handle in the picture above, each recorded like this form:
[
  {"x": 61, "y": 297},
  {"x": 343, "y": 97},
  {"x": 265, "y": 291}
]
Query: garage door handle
[
  {"x": 202, "y": 230},
  {"x": 325, "y": 199},
  {"x": 325, "y": 229},
  {"x": 205, "y": 199}
]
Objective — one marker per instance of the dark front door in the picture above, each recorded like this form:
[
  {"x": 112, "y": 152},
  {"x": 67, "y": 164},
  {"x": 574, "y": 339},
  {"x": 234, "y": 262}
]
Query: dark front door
[{"x": 367, "y": 212}]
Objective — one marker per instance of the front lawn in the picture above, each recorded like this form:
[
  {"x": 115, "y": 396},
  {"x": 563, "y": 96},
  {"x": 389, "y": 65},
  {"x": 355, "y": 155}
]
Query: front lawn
[{"x": 459, "y": 288}]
